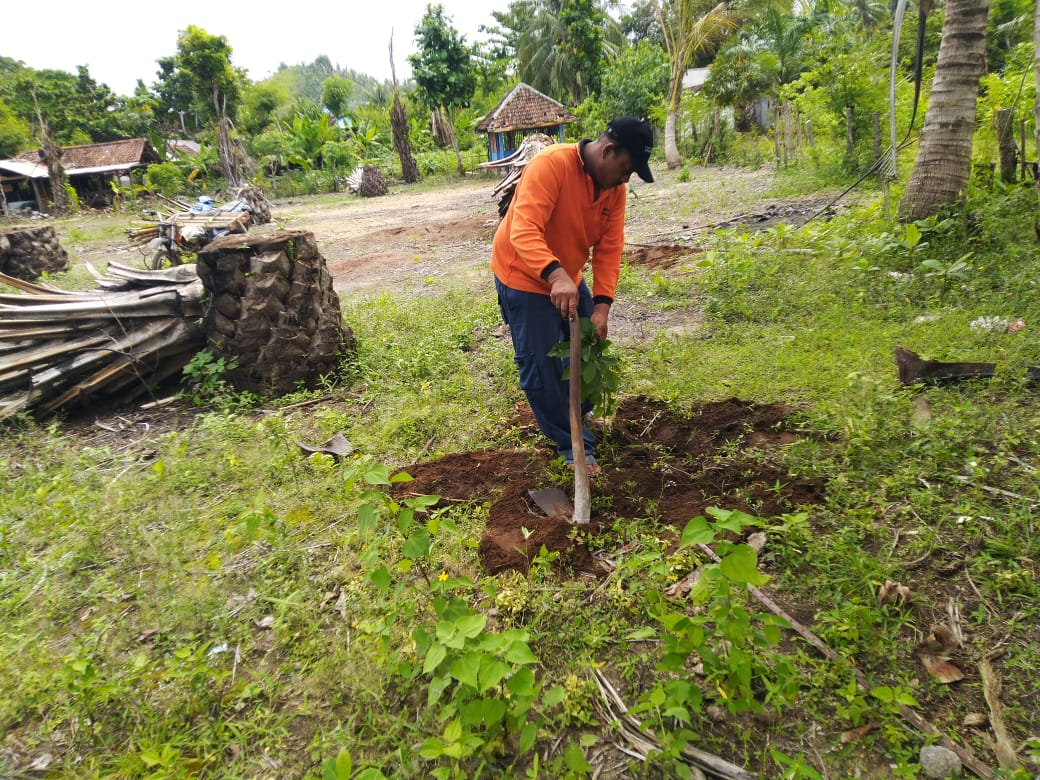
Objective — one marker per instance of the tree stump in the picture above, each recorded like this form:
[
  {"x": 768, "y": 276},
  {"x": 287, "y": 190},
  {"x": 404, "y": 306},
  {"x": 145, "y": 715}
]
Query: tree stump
[
  {"x": 26, "y": 253},
  {"x": 259, "y": 205},
  {"x": 367, "y": 181},
  {"x": 273, "y": 311}
]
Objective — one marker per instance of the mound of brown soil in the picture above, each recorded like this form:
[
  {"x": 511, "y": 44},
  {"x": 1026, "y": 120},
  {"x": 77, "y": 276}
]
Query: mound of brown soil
[{"x": 658, "y": 466}]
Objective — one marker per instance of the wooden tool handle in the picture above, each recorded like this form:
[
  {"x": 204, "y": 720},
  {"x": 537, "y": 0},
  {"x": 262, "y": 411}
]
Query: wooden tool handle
[{"x": 582, "y": 494}]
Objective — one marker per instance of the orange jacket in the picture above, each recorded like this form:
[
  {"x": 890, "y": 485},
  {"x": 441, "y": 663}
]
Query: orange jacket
[{"x": 553, "y": 218}]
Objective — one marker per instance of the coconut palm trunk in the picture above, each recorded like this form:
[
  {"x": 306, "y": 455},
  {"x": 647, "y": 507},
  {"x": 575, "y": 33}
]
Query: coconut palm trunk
[
  {"x": 671, "y": 146},
  {"x": 943, "y": 163},
  {"x": 1036, "y": 108},
  {"x": 689, "y": 28}
]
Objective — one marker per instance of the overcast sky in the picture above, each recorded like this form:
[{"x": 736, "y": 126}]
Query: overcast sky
[{"x": 120, "y": 40}]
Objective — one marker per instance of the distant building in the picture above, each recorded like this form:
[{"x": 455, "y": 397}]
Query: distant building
[
  {"x": 181, "y": 147},
  {"x": 523, "y": 111},
  {"x": 89, "y": 169},
  {"x": 693, "y": 79}
]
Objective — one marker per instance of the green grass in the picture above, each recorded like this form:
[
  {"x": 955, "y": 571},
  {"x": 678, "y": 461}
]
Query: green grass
[{"x": 210, "y": 603}]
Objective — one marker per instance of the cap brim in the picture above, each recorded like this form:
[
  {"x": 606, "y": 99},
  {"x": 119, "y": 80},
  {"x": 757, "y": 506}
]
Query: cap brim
[{"x": 643, "y": 169}]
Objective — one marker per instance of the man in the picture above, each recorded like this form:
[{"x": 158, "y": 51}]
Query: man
[{"x": 569, "y": 200}]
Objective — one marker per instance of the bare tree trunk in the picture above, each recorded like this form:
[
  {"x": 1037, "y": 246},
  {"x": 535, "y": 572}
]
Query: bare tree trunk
[
  {"x": 943, "y": 164},
  {"x": 50, "y": 155},
  {"x": 1022, "y": 146},
  {"x": 399, "y": 128},
  {"x": 1036, "y": 110},
  {"x": 850, "y": 138},
  {"x": 234, "y": 163},
  {"x": 671, "y": 148},
  {"x": 444, "y": 129},
  {"x": 875, "y": 126},
  {"x": 1002, "y": 123}
]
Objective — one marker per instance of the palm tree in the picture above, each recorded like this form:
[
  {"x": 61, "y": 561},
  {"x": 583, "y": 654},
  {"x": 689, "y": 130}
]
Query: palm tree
[
  {"x": 690, "y": 27},
  {"x": 558, "y": 44},
  {"x": 943, "y": 163},
  {"x": 1036, "y": 106}
]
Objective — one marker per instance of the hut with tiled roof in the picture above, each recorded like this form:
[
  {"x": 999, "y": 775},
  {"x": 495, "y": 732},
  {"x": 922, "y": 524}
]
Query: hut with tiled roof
[
  {"x": 89, "y": 168},
  {"x": 523, "y": 111}
]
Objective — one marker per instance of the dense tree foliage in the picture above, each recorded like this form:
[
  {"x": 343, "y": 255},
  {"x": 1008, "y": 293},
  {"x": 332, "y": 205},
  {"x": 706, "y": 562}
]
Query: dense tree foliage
[
  {"x": 205, "y": 74},
  {"x": 442, "y": 67},
  {"x": 77, "y": 108}
]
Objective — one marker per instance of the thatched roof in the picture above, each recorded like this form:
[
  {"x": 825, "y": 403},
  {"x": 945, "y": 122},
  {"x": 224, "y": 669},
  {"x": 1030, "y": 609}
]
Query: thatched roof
[
  {"x": 112, "y": 154},
  {"x": 525, "y": 108}
]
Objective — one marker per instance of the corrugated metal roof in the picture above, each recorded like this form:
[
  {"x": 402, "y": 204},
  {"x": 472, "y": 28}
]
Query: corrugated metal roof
[
  {"x": 23, "y": 168},
  {"x": 39, "y": 170},
  {"x": 525, "y": 108},
  {"x": 123, "y": 153}
]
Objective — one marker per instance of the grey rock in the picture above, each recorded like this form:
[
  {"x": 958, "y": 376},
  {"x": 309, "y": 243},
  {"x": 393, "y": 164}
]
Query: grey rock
[{"x": 939, "y": 763}]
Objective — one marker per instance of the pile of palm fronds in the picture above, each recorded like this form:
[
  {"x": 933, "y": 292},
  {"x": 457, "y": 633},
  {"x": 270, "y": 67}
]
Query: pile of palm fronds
[
  {"x": 515, "y": 163},
  {"x": 58, "y": 347}
]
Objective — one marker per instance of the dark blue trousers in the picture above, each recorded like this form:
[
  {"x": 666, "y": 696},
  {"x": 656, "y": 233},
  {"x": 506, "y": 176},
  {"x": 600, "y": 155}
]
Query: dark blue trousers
[{"x": 536, "y": 326}]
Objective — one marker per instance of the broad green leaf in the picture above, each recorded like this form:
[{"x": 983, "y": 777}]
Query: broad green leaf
[
  {"x": 741, "y": 565},
  {"x": 528, "y": 734},
  {"x": 344, "y": 765},
  {"x": 404, "y": 520},
  {"x": 431, "y": 748},
  {"x": 380, "y": 578},
  {"x": 641, "y": 633},
  {"x": 370, "y": 774},
  {"x": 421, "y": 502},
  {"x": 453, "y": 731},
  {"x": 418, "y": 545},
  {"x": 520, "y": 653},
  {"x": 491, "y": 673},
  {"x": 377, "y": 474},
  {"x": 697, "y": 531},
  {"x": 437, "y": 687},
  {"x": 913, "y": 234},
  {"x": 553, "y": 696},
  {"x": 493, "y": 711},
  {"x": 434, "y": 656},
  {"x": 575, "y": 759},
  {"x": 883, "y": 693},
  {"x": 471, "y": 625},
  {"x": 521, "y": 683},
  {"x": 367, "y": 517},
  {"x": 465, "y": 669}
]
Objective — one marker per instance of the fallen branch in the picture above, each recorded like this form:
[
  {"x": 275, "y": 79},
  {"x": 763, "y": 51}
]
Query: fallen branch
[
  {"x": 968, "y": 759},
  {"x": 1002, "y": 746},
  {"x": 632, "y": 731}
]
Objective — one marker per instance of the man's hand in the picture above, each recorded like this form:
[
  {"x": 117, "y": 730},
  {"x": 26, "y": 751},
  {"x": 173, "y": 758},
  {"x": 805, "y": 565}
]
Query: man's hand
[
  {"x": 563, "y": 293},
  {"x": 600, "y": 314}
]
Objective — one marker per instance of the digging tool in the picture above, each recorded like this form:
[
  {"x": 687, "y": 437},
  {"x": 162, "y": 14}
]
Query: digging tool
[{"x": 553, "y": 501}]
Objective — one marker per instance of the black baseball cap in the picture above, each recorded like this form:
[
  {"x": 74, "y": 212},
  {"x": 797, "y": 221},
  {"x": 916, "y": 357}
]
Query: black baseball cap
[{"x": 637, "y": 137}]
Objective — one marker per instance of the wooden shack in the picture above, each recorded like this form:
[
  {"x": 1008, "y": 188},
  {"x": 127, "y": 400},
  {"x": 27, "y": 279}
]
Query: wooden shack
[
  {"x": 89, "y": 168},
  {"x": 523, "y": 111}
]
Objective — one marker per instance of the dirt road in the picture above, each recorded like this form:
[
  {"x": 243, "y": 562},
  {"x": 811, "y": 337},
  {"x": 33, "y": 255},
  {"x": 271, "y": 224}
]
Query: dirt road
[{"x": 417, "y": 237}]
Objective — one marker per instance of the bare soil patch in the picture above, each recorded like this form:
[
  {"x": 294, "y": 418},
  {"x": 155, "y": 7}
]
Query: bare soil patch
[{"x": 658, "y": 466}]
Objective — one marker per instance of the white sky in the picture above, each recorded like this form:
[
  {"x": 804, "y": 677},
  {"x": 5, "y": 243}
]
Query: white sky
[{"x": 120, "y": 41}]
